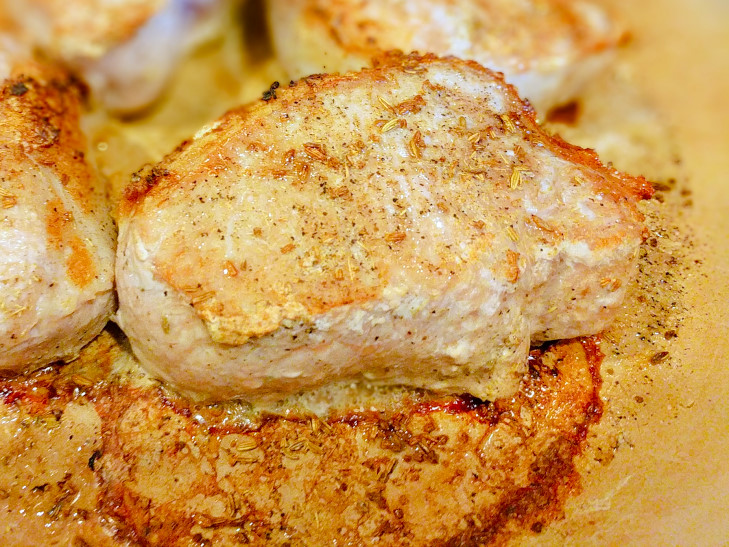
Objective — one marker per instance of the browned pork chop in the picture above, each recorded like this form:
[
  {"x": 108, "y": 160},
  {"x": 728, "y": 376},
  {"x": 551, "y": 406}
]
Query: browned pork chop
[
  {"x": 127, "y": 50},
  {"x": 409, "y": 224},
  {"x": 56, "y": 242},
  {"x": 547, "y": 48}
]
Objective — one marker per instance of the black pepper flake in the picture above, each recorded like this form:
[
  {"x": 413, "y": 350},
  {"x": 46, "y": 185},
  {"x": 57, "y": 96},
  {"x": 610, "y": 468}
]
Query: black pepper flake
[
  {"x": 92, "y": 460},
  {"x": 270, "y": 93},
  {"x": 662, "y": 186},
  {"x": 18, "y": 89},
  {"x": 659, "y": 357}
]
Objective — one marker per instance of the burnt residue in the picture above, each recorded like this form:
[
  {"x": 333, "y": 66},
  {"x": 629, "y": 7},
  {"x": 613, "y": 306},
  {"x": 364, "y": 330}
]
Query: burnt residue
[
  {"x": 567, "y": 114},
  {"x": 455, "y": 405},
  {"x": 142, "y": 182},
  {"x": 18, "y": 89},
  {"x": 93, "y": 458},
  {"x": 270, "y": 93}
]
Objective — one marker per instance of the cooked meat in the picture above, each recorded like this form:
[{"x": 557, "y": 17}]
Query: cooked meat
[
  {"x": 409, "y": 224},
  {"x": 547, "y": 48},
  {"x": 56, "y": 243},
  {"x": 127, "y": 50}
]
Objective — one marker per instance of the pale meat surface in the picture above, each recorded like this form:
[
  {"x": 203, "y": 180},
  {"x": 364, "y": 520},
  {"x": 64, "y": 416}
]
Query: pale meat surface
[
  {"x": 410, "y": 224},
  {"x": 547, "y": 48},
  {"x": 127, "y": 50},
  {"x": 56, "y": 242}
]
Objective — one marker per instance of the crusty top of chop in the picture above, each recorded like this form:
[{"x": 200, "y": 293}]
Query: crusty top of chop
[{"x": 421, "y": 112}]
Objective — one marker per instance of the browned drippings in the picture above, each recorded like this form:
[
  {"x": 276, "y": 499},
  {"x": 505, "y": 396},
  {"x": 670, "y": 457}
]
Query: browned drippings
[
  {"x": 455, "y": 470},
  {"x": 156, "y": 470}
]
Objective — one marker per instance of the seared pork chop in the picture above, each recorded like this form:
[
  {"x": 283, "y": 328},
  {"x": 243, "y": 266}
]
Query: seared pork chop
[
  {"x": 56, "y": 243},
  {"x": 409, "y": 224},
  {"x": 547, "y": 48},
  {"x": 126, "y": 50}
]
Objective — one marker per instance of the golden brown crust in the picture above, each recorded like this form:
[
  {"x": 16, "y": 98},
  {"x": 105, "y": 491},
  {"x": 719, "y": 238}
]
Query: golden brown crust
[
  {"x": 617, "y": 184},
  {"x": 620, "y": 185},
  {"x": 41, "y": 107},
  {"x": 42, "y": 104},
  {"x": 341, "y": 277},
  {"x": 79, "y": 262},
  {"x": 625, "y": 185}
]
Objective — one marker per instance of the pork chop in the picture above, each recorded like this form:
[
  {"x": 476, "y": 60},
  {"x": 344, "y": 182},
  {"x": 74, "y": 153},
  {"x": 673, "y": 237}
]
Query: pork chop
[
  {"x": 126, "y": 50},
  {"x": 548, "y": 48},
  {"x": 408, "y": 224},
  {"x": 56, "y": 242}
]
